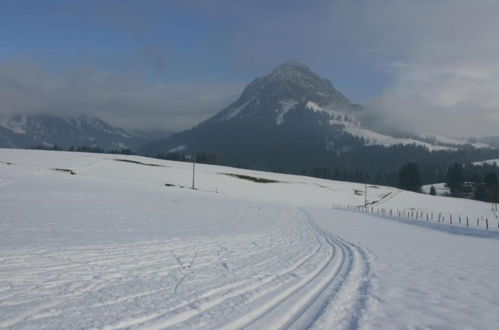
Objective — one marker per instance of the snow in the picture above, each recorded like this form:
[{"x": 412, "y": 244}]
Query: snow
[
  {"x": 285, "y": 107},
  {"x": 374, "y": 138},
  {"x": 353, "y": 127},
  {"x": 235, "y": 112},
  {"x": 445, "y": 206},
  {"x": 453, "y": 141},
  {"x": 336, "y": 117},
  {"x": 177, "y": 149},
  {"x": 314, "y": 106},
  {"x": 488, "y": 162},
  {"x": 441, "y": 189},
  {"x": 317, "y": 108},
  {"x": 424, "y": 279},
  {"x": 113, "y": 247},
  {"x": 16, "y": 124}
]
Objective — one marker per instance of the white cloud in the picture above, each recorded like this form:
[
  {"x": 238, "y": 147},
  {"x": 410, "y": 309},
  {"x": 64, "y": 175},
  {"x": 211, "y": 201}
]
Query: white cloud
[{"x": 447, "y": 74}]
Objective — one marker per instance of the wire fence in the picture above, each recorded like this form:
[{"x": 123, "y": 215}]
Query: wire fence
[{"x": 463, "y": 221}]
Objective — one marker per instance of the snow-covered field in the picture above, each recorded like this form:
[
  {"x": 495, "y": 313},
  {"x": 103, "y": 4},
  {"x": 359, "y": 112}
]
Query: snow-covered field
[{"x": 123, "y": 242}]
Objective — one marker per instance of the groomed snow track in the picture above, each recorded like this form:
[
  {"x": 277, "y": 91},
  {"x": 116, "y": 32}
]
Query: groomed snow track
[
  {"x": 333, "y": 295},
  {"x": 295, "y": 275}
]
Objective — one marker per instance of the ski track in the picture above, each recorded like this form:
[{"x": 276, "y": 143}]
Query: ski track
[{"x": 295, "y": 275}]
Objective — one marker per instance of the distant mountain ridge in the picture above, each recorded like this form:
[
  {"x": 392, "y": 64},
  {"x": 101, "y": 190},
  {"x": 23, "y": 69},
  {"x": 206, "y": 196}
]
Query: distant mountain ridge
[{"x": 25, "y": 131}]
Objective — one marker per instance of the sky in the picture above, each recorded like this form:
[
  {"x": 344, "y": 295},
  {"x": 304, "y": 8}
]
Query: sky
[{"x": 425, "y": 66}]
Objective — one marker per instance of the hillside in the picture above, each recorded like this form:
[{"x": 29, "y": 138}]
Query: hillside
[{"x": 113, "y": 241}]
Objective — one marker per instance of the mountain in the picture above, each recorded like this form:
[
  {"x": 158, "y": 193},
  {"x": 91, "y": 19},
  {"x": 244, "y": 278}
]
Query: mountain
[
  {"x": 288, "y": 119},
  {"x": 289, "y": 111},
  {"x": 24, "y": 131}
]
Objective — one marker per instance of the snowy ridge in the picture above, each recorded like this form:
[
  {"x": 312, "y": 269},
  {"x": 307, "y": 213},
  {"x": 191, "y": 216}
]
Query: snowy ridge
[
  {"x": 336, "y": 117},
  {"x": 451, "y": 141},
  {"x": 374, "y": 138},
  {"x": 488, "y": 162}
]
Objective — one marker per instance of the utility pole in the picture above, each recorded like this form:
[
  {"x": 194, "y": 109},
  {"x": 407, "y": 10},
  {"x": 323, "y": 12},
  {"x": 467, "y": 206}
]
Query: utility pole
[{"x": 193, "y": 171}]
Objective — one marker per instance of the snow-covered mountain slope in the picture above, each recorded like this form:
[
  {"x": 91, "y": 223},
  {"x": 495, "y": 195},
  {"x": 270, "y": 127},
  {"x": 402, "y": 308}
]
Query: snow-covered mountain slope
[
  {"x": 24, "y": 131},
  {"x": 353, "y": 127},
  {"x": 108, "y": 241}
]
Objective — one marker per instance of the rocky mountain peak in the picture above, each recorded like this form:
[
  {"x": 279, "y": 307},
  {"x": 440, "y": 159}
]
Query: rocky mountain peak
[
  {"x": 291, "y": 68},
  {"x": 294, "y": 81}
]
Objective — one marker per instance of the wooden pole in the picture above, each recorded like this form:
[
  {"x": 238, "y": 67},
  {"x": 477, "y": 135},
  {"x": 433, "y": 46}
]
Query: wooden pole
[{"x": 193, "y": 171}]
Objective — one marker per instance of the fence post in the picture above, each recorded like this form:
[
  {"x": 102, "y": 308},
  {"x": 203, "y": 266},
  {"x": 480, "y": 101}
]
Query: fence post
[
  {"x": 450, "y": 216},
  {"x": 467, "y": 223},
  {"x": 487, "y": 223},
  {"x": 478, "y": 221}
]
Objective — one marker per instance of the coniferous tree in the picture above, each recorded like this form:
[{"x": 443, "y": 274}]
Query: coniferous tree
[
  {"x": 409, "y": 177},
  {"x": 455, "y": 179},
  {"x": 492, "y": 187}
]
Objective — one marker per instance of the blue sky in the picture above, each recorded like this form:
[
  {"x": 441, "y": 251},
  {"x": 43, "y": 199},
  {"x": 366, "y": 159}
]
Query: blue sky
[
  {"x": 171, "y": 63},
  {"x": 170, "y": 41}
]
